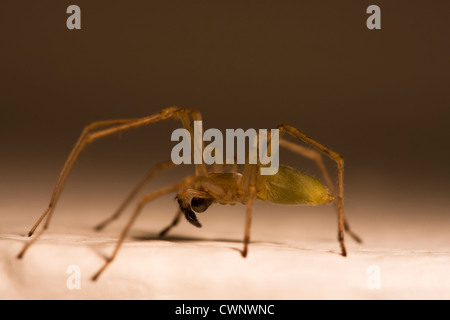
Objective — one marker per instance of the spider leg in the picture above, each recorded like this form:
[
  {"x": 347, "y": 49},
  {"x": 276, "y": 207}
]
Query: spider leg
[
  {"x": 317, "y": 158},
  {"x": 174, "y": 222},
  {"x": 135, "y": 214},
  {"x": 97, "y": 130},
  {"x": 200, "y": 170},
  {"x": 156, "y": 169},
  {"x": 67, "y": 166},
  {"x": 249, "y": 177},
  {"x": 340, "y": 167}
]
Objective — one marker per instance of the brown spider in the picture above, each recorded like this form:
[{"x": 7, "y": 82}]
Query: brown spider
[{"x": 196, "y": 193}]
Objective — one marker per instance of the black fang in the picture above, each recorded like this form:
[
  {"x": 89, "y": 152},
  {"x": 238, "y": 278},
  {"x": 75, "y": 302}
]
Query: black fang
[{"x": 189, "y": 214}]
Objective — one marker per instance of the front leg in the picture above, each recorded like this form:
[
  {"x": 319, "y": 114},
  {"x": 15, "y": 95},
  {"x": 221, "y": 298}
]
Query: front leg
[
  {"x": 252, "y": 171},
  {"x": 96, "y": 131}
]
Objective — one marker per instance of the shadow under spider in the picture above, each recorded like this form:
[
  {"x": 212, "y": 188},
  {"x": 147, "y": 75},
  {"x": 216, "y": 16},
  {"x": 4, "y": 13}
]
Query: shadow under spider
[
  {"x": 148, "y": 236},
  {"x": 152, "y": 236}
]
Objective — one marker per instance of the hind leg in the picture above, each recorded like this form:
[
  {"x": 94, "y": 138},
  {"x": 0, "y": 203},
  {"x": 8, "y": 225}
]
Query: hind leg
[{"x": 340, "y": 167}]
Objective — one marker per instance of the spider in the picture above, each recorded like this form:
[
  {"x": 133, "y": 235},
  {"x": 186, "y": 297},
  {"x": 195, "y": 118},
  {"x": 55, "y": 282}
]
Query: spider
[{"x": 197, "y": 192}]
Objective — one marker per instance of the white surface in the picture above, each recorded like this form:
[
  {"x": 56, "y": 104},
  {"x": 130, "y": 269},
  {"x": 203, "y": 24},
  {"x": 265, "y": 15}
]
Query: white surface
[{"x": 293, "y": 255}]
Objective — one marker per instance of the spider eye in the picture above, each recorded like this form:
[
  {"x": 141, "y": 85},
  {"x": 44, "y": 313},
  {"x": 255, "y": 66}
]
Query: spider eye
[{"x": 200, "y": 204}]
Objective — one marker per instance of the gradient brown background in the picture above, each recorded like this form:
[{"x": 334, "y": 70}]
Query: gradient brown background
[{"x": 378, "y": 97}]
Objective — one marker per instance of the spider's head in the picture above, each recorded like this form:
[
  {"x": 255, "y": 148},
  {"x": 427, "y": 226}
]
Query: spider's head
[{"x": 194, "y": 202}]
